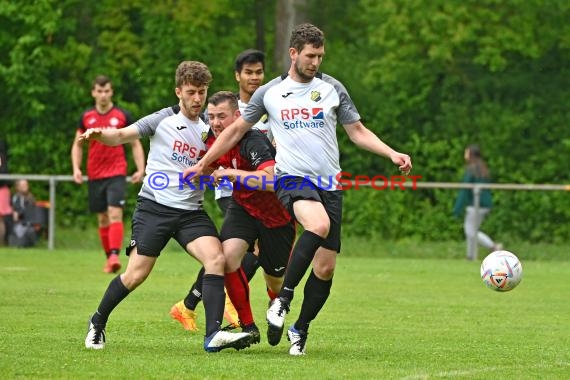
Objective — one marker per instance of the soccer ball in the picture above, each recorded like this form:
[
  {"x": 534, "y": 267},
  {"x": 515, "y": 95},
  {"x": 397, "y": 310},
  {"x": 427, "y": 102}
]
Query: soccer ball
[{"x": 501, "y": 271}]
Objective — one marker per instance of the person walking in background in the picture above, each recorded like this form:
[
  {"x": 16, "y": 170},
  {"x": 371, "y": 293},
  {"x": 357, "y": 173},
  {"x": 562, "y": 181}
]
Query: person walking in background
[
  {"x": 303, "y": 107},
  {"x": 476, "y": 171},
  {"x": 106, "y": 169},
  {"x": 164, "y": 210}
]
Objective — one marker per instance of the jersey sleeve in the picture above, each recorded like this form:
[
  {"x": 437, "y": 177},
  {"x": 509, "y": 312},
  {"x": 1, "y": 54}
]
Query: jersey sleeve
[
  {"x": 255, "y": 108},
  {"x": 148, "y": 124},
  {"x": 256, "y": 148},
  {"x": 346, "y": 112}
]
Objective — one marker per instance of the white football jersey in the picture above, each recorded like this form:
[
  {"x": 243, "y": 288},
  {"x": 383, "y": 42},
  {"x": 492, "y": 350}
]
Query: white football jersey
[
  {"x": 303, "y": 118},
  {"x": 175, "y": 144}
]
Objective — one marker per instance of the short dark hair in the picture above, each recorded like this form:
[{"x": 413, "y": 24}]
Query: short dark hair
[
  {"x": 100, "y": 80},
  {"x": 192, "y": 72},
  {"x": 249, "y": 56},
  {"x": 306, "y": 34},
  {"x": 222, "y": 97}
]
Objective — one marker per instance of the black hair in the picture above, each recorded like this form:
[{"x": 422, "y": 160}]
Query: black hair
[{"x": 249, "y": 56}]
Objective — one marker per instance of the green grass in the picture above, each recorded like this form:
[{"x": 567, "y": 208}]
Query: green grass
[{"x": 397, "y": 311}]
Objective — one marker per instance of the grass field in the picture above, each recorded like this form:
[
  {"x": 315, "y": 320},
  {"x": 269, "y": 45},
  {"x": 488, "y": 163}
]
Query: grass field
[{"x": 397, "y": 311}]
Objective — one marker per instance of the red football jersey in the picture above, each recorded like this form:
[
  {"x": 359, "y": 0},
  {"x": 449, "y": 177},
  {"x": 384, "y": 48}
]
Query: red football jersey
[
  {"x": 262, "y": 205},
  {"x": 105, "y": 161}
]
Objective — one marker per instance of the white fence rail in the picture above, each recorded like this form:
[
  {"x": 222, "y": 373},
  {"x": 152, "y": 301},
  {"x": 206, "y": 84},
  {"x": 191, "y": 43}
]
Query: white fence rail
[{"x": 476, "y": 188}]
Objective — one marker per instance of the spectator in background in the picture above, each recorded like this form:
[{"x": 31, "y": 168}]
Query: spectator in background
[
  {"x": 5, "y": 208},
  {"x": 24, "y": 233},
  {"x": 23, "y": 202},
  {"x": 106, "y": 169},
  {"x": 476, "y": 171}
]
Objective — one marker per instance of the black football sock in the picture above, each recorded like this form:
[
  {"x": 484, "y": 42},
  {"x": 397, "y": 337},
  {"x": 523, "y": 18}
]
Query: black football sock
[
  {"x": 249, "y": 264},
  {"x": 115, "y": 293},
  {"x": 195, "y": 294},
  {"x": 316, "y": 294},
  {"x": 214, "y": 299},
  {"x": 300, "y": 260}
]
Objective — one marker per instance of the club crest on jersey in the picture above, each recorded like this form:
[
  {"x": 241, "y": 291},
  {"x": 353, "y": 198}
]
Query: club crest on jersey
[
  {"x": 204, "y": 136},
  {"x": 315, "y": 96}
]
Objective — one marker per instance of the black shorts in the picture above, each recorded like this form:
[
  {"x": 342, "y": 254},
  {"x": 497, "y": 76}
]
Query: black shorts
[
  {"x": 106, "y": 192},
  {"x": 275, "y": 244},
  {"x": 290, "y": 189},
  {"x": 154, "y": 224}
]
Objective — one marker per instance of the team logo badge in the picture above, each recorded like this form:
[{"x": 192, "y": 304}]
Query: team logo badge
[
  {"x": 315, "y": 96},
  {"x": 204, "y": 136},
  {"x": 114, "y": 122}
]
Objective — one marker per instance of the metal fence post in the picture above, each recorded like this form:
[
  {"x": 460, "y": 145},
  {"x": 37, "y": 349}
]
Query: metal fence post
[{"x": 51, "y": 213}]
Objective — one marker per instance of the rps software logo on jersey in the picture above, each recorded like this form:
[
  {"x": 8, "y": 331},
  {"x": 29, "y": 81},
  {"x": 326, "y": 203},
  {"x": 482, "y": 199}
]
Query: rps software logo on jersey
[{"x": 299, "y": 118}]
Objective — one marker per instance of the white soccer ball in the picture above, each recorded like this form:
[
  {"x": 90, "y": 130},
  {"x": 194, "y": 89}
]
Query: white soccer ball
[{"x": 501, "y": 271}]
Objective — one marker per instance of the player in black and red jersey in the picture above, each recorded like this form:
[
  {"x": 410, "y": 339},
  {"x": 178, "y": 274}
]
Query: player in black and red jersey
[
  {"x": 106, "y": 169},
  {"x": 254, "y": 212}
]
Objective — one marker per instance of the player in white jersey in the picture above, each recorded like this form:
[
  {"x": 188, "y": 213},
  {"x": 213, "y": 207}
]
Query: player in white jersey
[
  {"x": 303, "y": 109},
  {"x": 169, "y": 206}
]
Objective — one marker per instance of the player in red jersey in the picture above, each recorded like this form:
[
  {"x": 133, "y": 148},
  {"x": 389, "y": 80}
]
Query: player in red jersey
[
  {"x": 106, "y": 169},
  {"x": 254, "y": 213}
]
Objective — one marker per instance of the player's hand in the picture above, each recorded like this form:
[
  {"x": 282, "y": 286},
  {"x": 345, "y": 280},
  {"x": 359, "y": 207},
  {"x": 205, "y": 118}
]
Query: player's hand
[
  {"x": 222, "y": 174},
  {"x": 137, "y": 176},
  {"x": 403, "y": 161},
  {"x": 90, "y": 134},
  {"x": 77, "y": 177},
  {"x": 194, "y": 171}
]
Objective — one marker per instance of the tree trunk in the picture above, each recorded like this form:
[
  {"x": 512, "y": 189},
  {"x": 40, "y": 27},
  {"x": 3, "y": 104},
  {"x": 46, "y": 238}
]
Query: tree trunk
[{"x": 289, "y": 13}]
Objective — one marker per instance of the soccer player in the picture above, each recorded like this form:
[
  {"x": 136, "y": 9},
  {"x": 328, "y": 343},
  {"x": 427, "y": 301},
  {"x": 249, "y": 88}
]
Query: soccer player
[
  {"x": 106, "y": 169},
  {"x": 303, "y": 108},
  {"x": 254, "y": 212},
  {"x": 167, "y": 210},
  {"x": 249, "y": 71}
]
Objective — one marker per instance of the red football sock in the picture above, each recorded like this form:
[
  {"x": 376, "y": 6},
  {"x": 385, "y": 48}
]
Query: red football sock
[
  {"x": 271, "y": 295},
  {"x": 238, "y": 291},
  {"x": 115, "y": 236},
  {"x": 104, "y": 236}
]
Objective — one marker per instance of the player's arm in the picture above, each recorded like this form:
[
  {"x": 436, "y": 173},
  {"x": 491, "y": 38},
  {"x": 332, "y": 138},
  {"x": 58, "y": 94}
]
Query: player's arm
[
  {"x": 366, "y": 139},
  {"x": 111, "y": 137},
  {"x": 261, "y": 179},
  {"x": 138, "y": 158},
  {"x": 224, "y": 142},
  {"x": 77, "y": 158}
]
